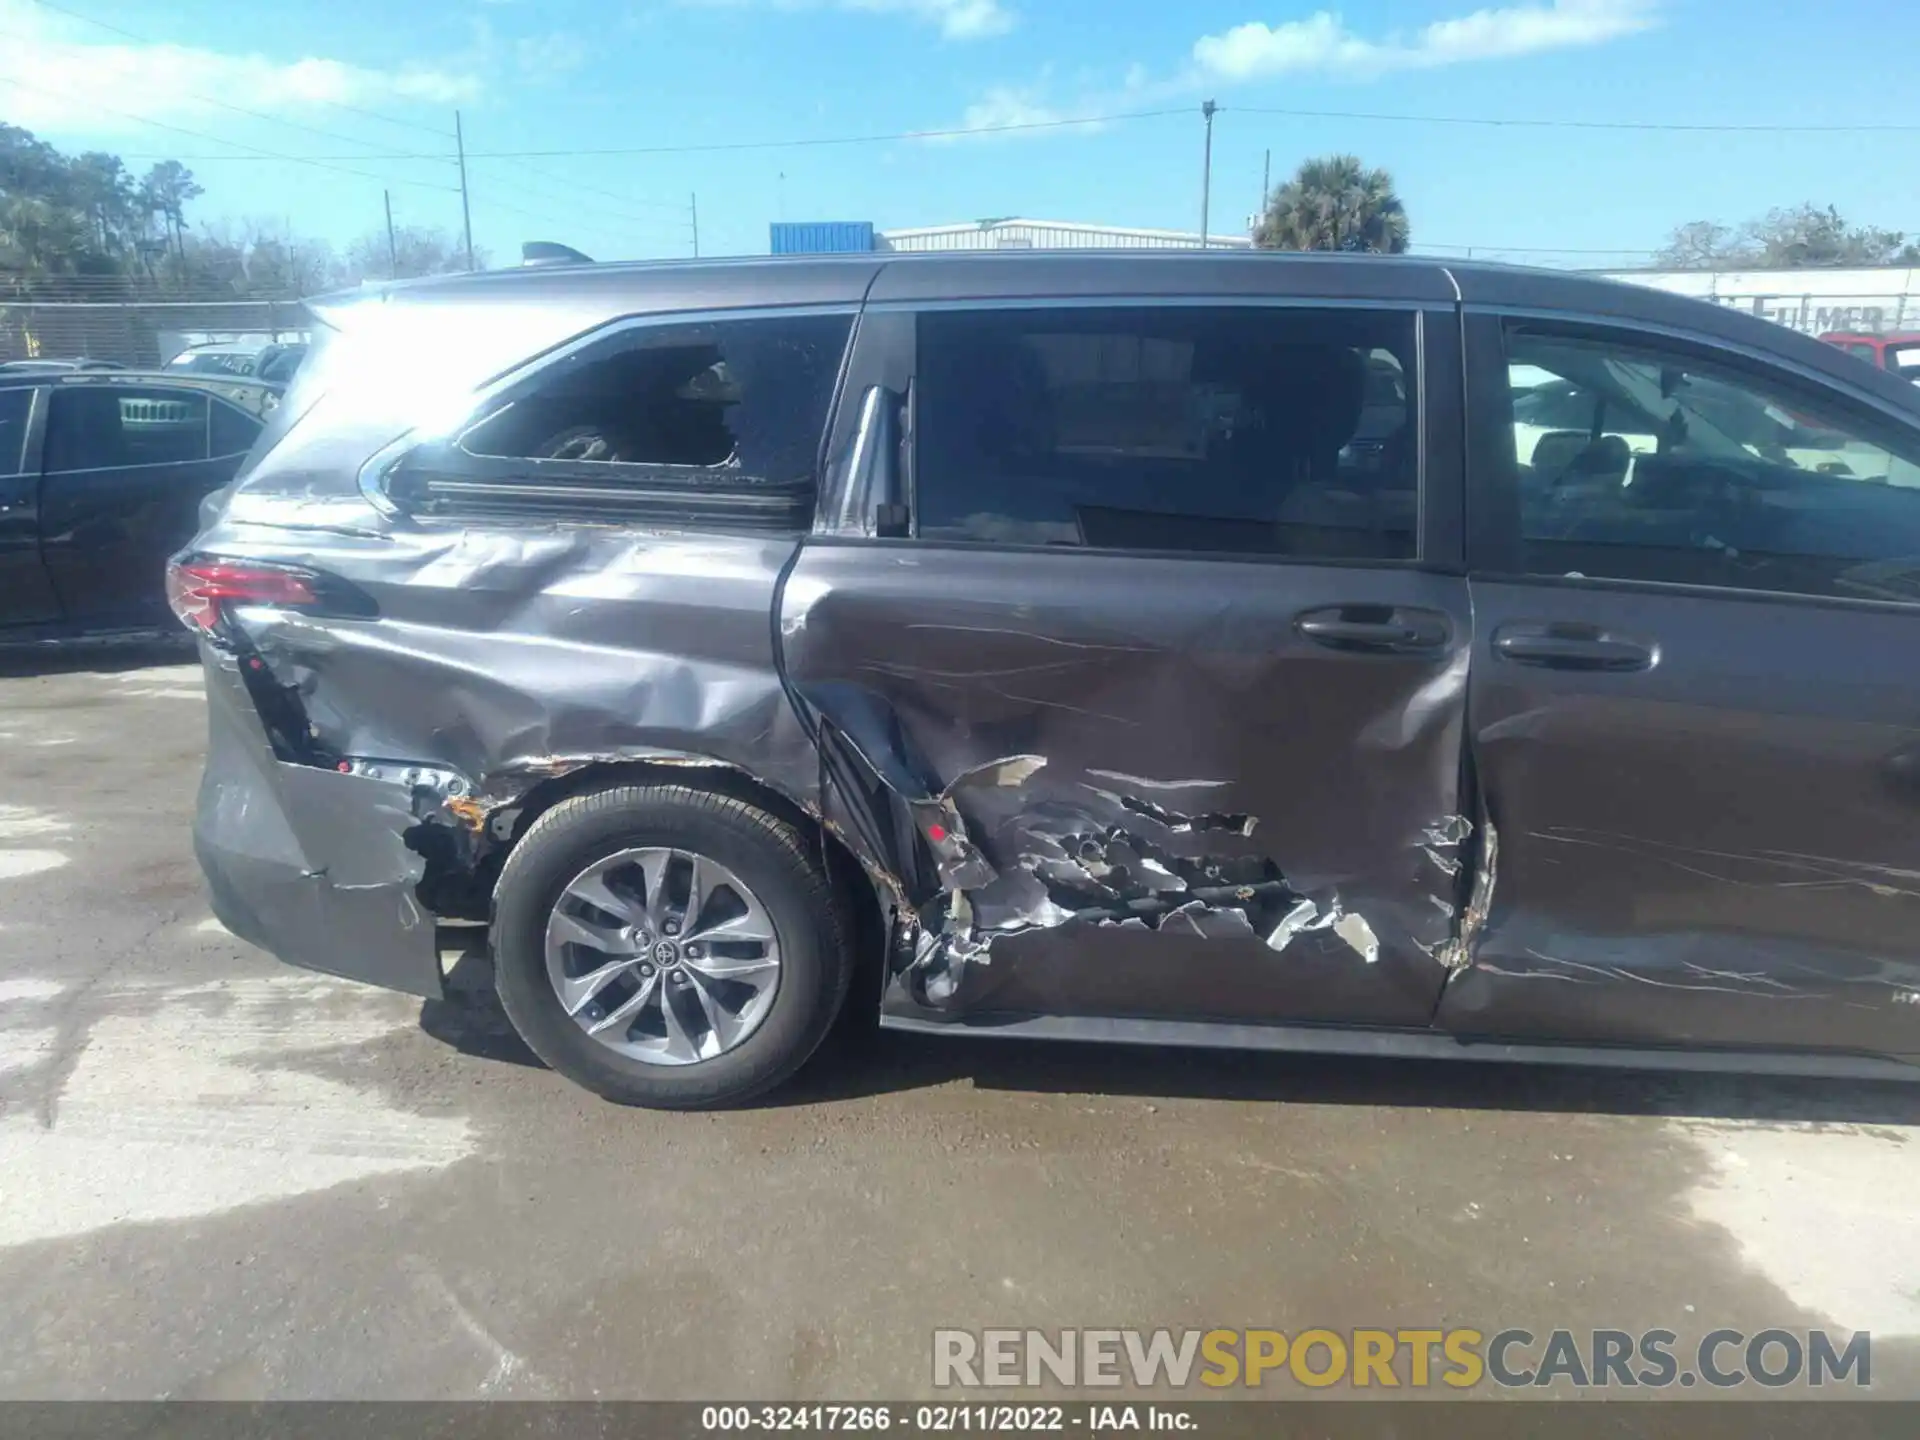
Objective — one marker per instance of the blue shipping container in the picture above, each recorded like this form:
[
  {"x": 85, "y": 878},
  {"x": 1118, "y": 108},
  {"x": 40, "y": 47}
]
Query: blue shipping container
[{"x": 822, "y": 237}]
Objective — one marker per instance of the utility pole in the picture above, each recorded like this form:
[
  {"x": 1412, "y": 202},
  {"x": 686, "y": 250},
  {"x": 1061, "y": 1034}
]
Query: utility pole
[
  {"x": 1266, "y": 183},
  {"x": 693, "y": 209},
  {"x": 466, "y": 210},
  {"x": 393, "y": 250},
  {"x": 1206, "y": 172}
]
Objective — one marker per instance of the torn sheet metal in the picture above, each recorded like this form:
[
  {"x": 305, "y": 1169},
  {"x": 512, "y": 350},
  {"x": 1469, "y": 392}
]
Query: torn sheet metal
[
  {"x": 1204, "y": 773},
  {"x": 1458, "y": 952},
  {"x": 1108, "y": 863}
]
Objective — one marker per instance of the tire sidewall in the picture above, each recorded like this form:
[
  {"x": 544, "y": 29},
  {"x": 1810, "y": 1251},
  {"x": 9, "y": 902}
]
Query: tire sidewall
[{"x": 767, "y": 860}]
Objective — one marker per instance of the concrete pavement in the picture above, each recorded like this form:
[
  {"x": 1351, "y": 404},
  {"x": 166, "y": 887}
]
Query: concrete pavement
[{"x": 223, "y": 1178}]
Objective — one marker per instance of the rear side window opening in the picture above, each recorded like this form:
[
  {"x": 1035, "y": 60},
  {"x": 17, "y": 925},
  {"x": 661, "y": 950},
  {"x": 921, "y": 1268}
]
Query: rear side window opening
[
  {"x": 1256, "y": 430},
  {"x": 658, "y": 421}
]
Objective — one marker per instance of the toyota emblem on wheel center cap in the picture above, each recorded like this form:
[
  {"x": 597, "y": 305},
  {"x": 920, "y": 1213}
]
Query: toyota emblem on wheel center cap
[{"x": 666, "y": 954}]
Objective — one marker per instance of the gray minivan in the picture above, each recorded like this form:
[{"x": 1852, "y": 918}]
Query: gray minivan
[{"x": 1217, "y": 649}]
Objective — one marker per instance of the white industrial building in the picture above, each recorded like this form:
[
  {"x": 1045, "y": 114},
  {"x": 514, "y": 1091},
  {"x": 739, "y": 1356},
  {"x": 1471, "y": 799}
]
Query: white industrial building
[
  {"x": 1021, "y": 234},
  {"x": 1883, "y": 299}
]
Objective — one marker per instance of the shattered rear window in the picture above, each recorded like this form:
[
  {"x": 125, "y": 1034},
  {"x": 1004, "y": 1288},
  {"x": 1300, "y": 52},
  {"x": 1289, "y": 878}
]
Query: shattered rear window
[{"x": 745, "y": 397}]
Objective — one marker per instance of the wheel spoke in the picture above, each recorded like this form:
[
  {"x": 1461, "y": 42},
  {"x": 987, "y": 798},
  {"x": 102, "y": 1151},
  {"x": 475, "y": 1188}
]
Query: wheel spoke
[
  {"x": 754, "y": 925},
  {"x": 577, "y": 994},
  {"x": 681, "y": 1046},
  {"x": 727, "y": 967},
  {"x": 654, "y": 866},
  {"x": 720, "y": 1024},
  {"x": 572, "y": 929},
  {"x": 596, "y": 892},
  {"x": 622, "y": 1015},
  {"x": 696, "y": 895}
]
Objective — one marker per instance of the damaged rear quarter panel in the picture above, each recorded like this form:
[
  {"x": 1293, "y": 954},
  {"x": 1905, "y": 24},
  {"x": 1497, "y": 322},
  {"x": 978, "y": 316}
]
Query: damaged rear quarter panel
[
  {"x": 498, "y": 651},
  {"x": 1172, "y": 805},
  {"x": 497, "y": 660},
  {"x": 307, "y": 863}
]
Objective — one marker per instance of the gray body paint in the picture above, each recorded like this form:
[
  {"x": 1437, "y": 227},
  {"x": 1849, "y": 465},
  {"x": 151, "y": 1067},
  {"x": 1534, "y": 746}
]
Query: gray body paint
[{"x": 1080, "y": 784}]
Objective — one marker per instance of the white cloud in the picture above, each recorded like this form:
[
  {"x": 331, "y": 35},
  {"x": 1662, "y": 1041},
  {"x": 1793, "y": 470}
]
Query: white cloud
[
  {"x": 68, "y": 80},
  {"x": 1323, "y": 43},
  {"x": 547, "y": 57},
  {"x": 1002, "y": 107},
  {"x": 957, "y": 19},
  {"x": 1320, "y": 44}
]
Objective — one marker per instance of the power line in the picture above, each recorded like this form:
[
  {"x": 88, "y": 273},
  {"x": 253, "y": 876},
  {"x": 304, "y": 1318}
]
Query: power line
[
  {"x": 1541, "y": 123},
  {"x": 774, "y": 144},
  {"x": 484, "y": 203},
  {"x": 381, "y": 151},
  {"x": 722, "y": 145},
  {"x": 566, "y": 197},
  {"x": 253, "y": 114},
  {"x": 215, "y": 139},
  {"x": 574, "y": 185},
  {"x": 960, "y": 132},
  {"x": 558, "y": 179},
  {"x": 707, "y": 147},
  {"x": 333, "y": 104}
]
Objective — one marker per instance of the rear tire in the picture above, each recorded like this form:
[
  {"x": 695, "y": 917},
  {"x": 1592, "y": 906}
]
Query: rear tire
[{"x": 761, "y": 857}]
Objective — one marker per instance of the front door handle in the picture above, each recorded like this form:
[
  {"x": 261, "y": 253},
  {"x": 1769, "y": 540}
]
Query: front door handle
[
  {"x": 1573, "y": 647},
  {"x": 1378, "y": 628}
]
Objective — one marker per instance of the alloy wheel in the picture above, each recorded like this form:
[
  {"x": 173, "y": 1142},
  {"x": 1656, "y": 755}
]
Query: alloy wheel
[{"x": 662, "y": 955}]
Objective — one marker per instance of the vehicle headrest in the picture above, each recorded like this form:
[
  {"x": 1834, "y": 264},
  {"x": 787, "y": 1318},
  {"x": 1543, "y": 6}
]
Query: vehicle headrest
[{"x": 1311, "y": 395}]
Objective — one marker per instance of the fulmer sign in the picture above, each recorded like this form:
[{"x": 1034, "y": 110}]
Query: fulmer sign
[{"x": 1815, "y": 302}]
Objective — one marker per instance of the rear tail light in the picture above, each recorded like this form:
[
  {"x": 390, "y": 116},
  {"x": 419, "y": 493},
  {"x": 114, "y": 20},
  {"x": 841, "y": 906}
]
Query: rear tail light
[{"x": 200, "y": 590}]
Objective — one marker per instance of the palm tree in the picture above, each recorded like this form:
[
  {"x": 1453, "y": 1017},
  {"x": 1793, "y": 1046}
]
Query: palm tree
[{"x": 1334, "y": 203}]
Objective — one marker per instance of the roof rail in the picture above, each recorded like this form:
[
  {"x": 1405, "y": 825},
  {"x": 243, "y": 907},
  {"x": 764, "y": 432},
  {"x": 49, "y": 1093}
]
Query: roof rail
[{"x": 549, "y": 252}]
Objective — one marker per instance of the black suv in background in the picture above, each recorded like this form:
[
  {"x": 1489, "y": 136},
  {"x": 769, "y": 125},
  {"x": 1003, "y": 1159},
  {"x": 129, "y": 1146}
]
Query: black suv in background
[
  {"x": 1330, "y": 653},
  {"x": 101, "y": 477}
]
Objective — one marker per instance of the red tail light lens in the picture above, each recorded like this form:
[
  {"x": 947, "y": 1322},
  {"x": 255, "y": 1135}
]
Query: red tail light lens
[{"x": 198, "y": 590}]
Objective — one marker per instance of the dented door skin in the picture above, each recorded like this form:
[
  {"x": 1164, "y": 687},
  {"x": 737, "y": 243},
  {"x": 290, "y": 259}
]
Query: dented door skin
[
  {"x": 1181, "y": 808},
  {"x": 1721, "y": 847},
  {"x": 1133, "y": 785}
]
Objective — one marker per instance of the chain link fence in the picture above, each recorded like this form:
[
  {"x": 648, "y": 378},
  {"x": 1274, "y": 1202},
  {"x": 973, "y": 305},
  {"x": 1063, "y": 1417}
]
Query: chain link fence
[{"x": 106, "y": 318}]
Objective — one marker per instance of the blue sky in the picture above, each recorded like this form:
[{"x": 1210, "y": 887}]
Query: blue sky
[{"x": 622, "y": 74}]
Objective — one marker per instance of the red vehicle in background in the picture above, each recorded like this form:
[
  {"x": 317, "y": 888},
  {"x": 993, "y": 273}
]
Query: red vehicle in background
[{"x": 1899, "y": 352}]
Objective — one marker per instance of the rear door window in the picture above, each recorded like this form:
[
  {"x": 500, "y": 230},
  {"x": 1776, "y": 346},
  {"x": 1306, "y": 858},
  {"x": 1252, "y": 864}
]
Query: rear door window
[
  {"x": 100, "y": 427},
  {"x": 1272, "y": 431}
]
